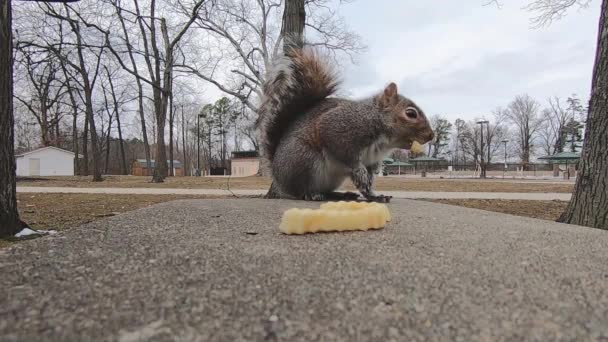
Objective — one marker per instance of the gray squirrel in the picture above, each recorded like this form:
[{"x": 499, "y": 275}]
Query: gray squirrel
[{"x": 312, "y": 141}]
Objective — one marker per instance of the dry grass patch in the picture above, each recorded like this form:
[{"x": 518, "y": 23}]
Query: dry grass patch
[
  {"x": 545, "y": 210},
  {"x": 382, "y": 184}
]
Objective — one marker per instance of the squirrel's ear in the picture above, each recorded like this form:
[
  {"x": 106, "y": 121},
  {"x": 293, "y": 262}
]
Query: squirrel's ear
[
  {"x": 389, "y": 96},
  {"x": 390, "y": 91}
]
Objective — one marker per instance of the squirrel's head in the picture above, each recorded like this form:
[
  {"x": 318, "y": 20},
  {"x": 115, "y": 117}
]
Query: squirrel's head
[{"x": 408, "y": 120}]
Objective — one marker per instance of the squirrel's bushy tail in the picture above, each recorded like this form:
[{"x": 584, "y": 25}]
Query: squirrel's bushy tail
[{"x": 295, "y": 82}]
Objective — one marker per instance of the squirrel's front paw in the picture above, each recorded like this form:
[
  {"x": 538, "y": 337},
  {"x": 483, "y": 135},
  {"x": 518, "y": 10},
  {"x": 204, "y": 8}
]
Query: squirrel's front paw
[{"x": 379, "y": 198}]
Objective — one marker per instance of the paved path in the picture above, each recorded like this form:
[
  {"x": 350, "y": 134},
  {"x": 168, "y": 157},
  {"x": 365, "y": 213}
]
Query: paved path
[
  {"x": 219, "y": 270},
  {"x": 396, "y": 194}
]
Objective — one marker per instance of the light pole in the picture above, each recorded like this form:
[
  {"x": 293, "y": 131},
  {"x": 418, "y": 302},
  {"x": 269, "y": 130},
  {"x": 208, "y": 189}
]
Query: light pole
[
  {"x": 505, "y": 141},
  {"x": 483, "y": 166}
]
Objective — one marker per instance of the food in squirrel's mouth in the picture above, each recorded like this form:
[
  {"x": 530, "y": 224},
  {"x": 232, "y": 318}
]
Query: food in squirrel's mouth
[
  {"x": 335, "y": 216},
  {"x": 416, "y": 147}
]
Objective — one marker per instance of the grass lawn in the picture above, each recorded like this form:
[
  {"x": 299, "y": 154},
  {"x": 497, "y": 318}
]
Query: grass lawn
[
  {"x": 382, "y": 184},
  {"x": 64, "y": 211}
]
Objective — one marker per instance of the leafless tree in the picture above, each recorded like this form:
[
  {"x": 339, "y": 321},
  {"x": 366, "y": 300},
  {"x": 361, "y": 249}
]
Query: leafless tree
[
  {"x": 117, "y": 102},
  {"x": 523, "y": 112},
  {"x": 551, "y": 130},
  {"x": 158, "y": 53},
  {"x": 79, "y": 55},
  {"x": 548, "y": 11},
  {"x": 44, "y": 91},
  {"x": 247, "y": 35}
]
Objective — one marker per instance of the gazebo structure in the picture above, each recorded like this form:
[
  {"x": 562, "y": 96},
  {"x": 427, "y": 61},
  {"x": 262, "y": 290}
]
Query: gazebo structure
[
  {"x": 398, "y": 165},
  {"x": 424, "y": 160},
  {"x": 563, "y": 158}
]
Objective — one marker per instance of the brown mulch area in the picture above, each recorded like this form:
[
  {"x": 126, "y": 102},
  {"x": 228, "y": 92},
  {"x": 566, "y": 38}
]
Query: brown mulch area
[
  {"x": 397, "y": 184},
  {"x": 545, "y": 210}
]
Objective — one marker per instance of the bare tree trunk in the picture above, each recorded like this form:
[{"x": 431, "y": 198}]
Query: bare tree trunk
[
  {"x": 140, "y": 90},
  {"x": 85, "y": 146},
  {"x": 123, "y": 160},
  {"x": 94, "y": 140},
  {"x": 74, "y": 121},
  {"x": 160, "y": 107},
  {"x": 57, "y": 132},
  {"x": 75, "y": 141},
  {"x": 10, "y": 224},
  {"x": 88, "y": 97},
  {"x": 185, "y": 162},
  {"x": 171, "y": 134},
  {"x": 589, "y": 204},
  {"x": 108, "y": 147},
  {"x": 294, "y": 19}
]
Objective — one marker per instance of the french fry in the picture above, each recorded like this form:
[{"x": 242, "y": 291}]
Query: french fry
[
  {"x": 335, "y": 216},
  {"x": 416, "y": 147}
]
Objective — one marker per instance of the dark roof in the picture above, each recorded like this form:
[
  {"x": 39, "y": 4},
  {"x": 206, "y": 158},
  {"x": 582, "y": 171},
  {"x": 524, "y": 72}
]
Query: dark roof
[
  {"x": 245, "y": 154},
  {"x": 562, "y": 156},
  {"x": 425, "y": 159},
  {"x": 176, "y": 163},
  {"x": 399, "y": 163}
]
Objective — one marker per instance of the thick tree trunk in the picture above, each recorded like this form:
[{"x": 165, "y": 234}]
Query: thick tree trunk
[
  {"x": 94, "y": 140},
  {"x": 142, "y": 118},
  {"x": 10, "y": 224},
  {"x": 589, "y": 204},
  {"x": 171, "y": 134},
  {"x": 160, "y": 165},
  {"x": 294, "y": 19},
  {"x": 160, "y": 98}
]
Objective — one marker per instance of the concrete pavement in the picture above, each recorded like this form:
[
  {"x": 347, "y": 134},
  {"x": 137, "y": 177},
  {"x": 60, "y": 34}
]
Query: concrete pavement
[
  {"x": 219, "y": 270},
  {"x": 537, "y": 196}
]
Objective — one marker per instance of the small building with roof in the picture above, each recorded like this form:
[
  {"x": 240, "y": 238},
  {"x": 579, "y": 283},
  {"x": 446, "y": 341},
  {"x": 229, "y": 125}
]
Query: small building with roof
[
  {"x": 45, "y": 161},
  {"x": 563, "y": 162},
  {"x": 245, "y": 163}
]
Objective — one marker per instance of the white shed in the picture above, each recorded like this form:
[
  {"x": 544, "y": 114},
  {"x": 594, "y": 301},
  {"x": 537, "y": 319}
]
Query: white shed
[{"x": 46, "y": 161}]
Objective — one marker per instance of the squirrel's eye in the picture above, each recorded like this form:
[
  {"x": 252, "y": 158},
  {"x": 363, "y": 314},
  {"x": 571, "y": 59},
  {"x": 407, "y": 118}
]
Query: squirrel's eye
[{"x": 411, "y": 113}]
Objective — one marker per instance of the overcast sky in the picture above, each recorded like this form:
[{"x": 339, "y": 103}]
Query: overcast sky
[{"x": 463, "y": 59}]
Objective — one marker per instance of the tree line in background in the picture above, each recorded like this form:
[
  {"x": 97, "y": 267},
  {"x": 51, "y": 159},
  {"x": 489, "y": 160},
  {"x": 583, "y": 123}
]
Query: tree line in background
[
  {"x": 118, "y": 80},
  {"x": 529, "y": 129}
]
